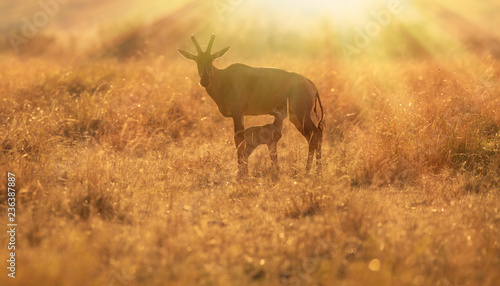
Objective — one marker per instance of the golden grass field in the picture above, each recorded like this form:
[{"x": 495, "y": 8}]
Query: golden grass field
[{"x": 126, "y": 171}]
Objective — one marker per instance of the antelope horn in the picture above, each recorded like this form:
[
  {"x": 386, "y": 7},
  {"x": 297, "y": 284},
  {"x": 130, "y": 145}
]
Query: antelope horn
[
  {"x": 209, "y": 48},
  {"x": 195, "y": 42}
]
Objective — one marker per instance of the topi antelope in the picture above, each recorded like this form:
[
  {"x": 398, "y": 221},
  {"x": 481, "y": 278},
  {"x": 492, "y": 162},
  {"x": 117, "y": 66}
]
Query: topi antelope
[
  {"x": 268, "y": 134},
  {"x": 240, "y": 90}
]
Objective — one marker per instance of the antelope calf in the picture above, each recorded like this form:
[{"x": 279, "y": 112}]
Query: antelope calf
[
  {"x": 240, "y": 90},
  {"x": 268, "y": 134}
]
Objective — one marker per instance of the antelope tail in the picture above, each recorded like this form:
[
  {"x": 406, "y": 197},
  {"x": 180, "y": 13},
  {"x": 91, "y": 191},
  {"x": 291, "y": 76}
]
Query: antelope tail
[{"x": 317, "y": 100}]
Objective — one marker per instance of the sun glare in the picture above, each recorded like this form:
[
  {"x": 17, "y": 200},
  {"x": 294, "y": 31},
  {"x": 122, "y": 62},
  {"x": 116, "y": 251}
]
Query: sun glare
[{"x": 342, "y": 12}]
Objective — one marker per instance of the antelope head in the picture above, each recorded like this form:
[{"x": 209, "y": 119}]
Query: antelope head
[
  {"x": 280, "y": 112},
  {"x": 204, "y": 60}
]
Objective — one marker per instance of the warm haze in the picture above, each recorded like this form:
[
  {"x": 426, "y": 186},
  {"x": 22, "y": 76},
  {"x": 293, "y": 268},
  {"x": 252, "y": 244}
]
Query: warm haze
[{"x": 126, "y": 171}]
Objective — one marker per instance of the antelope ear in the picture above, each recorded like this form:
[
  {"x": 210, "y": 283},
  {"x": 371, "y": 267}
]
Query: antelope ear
[
  {"x": 220, "y": 53},
  {"x": 187, "y": 55}
]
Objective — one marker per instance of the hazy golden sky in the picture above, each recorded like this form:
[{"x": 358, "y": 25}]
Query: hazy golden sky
[{"x": 426, "y": 26}]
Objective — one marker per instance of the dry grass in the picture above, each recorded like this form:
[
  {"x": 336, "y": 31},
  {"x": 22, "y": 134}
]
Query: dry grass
[
  {"x": 126, "y": 175},
  {"x": 126, "y": 170}
]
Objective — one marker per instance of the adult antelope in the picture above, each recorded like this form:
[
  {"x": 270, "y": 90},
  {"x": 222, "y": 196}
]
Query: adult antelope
[{"x": 240, "y": 90}]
